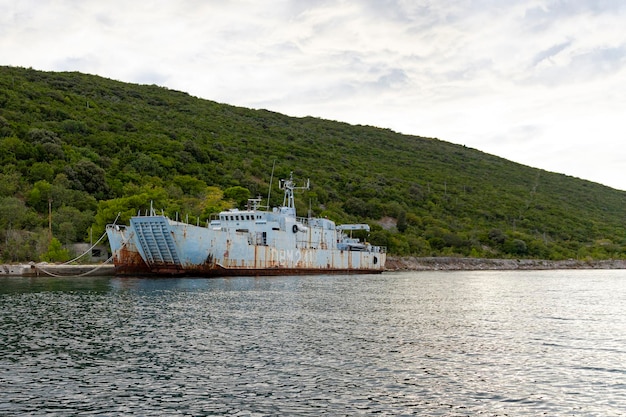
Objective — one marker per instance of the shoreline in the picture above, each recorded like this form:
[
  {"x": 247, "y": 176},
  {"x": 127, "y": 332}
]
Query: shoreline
[
  {"x": 43, "y": 269},
  {"x": 393, "y": 264},
  {"x": 411, "y": 263}
]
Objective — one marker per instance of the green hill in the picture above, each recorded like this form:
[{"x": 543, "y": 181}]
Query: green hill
[{"x": 78, "y": 149}]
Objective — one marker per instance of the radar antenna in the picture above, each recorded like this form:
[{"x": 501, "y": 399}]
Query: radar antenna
[{"x": 290, "y": 186}]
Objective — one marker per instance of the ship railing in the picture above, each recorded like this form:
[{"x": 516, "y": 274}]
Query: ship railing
[
  {"x": 303, "y": 220},
  {"x": 375, "y": 249}
]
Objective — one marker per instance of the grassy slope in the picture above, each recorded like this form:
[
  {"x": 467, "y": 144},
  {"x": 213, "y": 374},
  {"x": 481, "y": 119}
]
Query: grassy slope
[{"x": 452, "y": 199}]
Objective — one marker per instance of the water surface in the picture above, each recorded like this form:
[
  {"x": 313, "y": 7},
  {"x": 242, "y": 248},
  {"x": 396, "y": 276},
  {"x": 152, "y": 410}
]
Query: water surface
[{"x": 425, "y": 343}]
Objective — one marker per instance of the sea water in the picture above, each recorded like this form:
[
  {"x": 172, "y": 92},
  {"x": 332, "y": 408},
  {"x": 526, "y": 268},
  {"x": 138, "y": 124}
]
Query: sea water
[{"x": 516, "y": 343}]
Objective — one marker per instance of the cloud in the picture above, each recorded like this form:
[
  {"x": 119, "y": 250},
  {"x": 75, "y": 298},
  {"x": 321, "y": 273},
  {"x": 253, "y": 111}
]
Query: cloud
[
  {"x": 549, "y": 53},
  {"x": 393, "y": 79},
  {"x": 601, "y": 61},
  {"x": 511, "y": 78}
]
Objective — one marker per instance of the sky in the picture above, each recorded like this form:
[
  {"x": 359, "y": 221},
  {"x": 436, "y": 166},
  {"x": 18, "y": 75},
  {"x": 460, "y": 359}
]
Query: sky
[{"x": 538, "y": 82}]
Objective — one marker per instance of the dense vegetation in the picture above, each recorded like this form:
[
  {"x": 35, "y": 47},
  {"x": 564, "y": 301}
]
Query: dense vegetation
[{"x": 76, "y": 150}]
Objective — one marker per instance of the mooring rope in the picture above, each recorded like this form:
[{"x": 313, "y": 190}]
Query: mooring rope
[
  {"x": 87, "y": 251},
  {"x": 91, "y": 271},
  {"x": 124, "y": 243},
  {"x": 38, "y": 266}
]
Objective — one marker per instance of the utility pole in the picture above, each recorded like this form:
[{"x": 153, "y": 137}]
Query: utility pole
[{"x": 50, "y": 218}]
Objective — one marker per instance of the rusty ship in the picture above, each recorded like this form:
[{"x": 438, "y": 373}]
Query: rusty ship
[{"x": 253, "y": 241}]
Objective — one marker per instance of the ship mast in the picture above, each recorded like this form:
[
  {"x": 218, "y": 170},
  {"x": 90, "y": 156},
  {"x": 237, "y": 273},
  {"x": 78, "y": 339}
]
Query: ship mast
[{"x": 290, "y": 186}]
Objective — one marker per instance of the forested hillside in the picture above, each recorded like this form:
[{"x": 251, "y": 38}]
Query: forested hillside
[{"x": 78, "y": 149}]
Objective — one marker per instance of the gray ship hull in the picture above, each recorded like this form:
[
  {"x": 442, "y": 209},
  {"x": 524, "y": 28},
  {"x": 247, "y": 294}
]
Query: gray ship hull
[
  {"x": 242, "y": 242},
  {"x": 157, "y": 245}
]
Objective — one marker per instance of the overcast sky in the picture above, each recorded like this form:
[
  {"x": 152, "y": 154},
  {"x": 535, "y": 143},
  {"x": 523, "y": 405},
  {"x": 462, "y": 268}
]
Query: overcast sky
[{"x": 540, "y": 82}]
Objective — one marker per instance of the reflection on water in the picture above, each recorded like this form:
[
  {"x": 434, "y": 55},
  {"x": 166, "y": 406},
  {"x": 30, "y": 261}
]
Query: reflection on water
[
  {"x": 16, "y": 285},
  {"x": 426, "y": 343}
]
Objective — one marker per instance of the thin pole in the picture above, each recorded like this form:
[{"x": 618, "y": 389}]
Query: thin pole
[
  {"x": 50, "y": 218},
  {"x": 270, "y": 190}
]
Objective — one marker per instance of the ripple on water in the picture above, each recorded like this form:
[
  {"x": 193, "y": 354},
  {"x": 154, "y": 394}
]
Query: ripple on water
[{"x": 500, "y": 343}]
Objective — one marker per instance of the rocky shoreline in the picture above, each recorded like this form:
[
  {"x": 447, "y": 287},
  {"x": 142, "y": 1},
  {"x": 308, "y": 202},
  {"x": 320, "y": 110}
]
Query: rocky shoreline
[
  {"x": 394, "y": 263},
  {"x": 478, "y": 264}
]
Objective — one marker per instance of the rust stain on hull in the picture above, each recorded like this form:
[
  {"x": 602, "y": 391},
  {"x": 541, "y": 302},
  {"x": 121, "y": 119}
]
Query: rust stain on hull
[
  {"x": 129, "y": 263},
  {"x": 215, "y": 271}
]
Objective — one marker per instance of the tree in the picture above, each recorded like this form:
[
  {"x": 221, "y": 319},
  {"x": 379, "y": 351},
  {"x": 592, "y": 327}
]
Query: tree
[
  {"x": 124, "y": 208},
  {"x": 355, "y": 206},
  {"x": 42, "y": 136},
  {"x": 12, "y": 213},
  {"x": 41, "y": 171},
  {"x": 190, "y": 185},
  {"x": 70, "y": 224},
  {"x": 402, "y": 224},
  {"x": 87, "y": 176},
  {"x": 515, "y": 247},
  {"x": 238, "y": 194},
  {"x": 5, "y": 127},
  {"x": 9, "y": 183},
  {"x": 56, "y": 252},
  {"x": 13, "y": 149},
  {"x": 40, "y": 196},
  {"x": 496, "y": 236}
]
